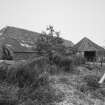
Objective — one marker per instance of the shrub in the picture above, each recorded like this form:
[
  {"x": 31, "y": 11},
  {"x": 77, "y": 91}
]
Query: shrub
[
  {"x": 88, "y": 84},
  {"x": 32, "y": 80},
  {"x": 78, "y": 60},
  {"x": 3, "y": 71},
  {"x": 67, "y": 63},
  {"x": 27, "y": 73},
  {"x": 62, "y": 61},
  {"x": 23, "y": 74},
  {"x": 92, "y": 81}
]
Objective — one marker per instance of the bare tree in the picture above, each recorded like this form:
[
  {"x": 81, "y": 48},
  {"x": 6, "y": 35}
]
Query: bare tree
[
  {"x": 48, "y": 42},
  {"x": 51, "y": 30}
]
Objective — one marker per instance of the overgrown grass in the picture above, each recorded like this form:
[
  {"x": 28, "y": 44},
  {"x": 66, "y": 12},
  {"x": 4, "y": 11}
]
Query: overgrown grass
[
  {"x": 26, "y": 82},
  {"x": 89, "y": 85},
  {"x": 61, "y": 63}
]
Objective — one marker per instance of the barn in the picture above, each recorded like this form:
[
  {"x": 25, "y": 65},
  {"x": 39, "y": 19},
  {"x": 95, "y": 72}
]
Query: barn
[
  {"x": 20, "y": 41},
  {"x": 90, "y": 50}
]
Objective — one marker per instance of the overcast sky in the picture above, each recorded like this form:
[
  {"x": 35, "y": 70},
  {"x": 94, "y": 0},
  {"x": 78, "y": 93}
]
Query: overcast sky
[{"x": 74, "y": 18}]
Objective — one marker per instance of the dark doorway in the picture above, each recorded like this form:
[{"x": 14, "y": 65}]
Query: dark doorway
[{"x": 90, "y": 55}]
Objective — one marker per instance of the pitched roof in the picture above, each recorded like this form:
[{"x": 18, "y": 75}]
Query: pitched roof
[
  {"x": 17, "y": 38},
  {"x": 12, "y": 43},
  {"x": 87, "y": 45},
  {"x": 20, "y": 34}
]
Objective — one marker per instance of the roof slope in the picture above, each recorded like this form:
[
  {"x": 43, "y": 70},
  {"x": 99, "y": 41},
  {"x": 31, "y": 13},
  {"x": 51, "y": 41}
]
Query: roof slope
[
  {"x": 68, "y": 43},
  {"x": 87, "y": 45},
  {"x": 12, "y": 44},
  {"x": 19, "y": 34},
  {"x": 24, "y": 36}
]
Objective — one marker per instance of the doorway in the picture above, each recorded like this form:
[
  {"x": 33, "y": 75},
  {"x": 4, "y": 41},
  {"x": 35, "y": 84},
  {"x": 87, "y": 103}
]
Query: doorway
[{"x": 90, "y": 55}]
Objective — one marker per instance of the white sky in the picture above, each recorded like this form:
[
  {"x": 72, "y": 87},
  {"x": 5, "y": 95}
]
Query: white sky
[{"x": 75, "y": 18}]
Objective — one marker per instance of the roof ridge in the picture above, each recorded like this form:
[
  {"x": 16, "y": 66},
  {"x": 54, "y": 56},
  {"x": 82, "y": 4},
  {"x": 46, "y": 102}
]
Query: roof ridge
[{"x": 19, "y": 28}]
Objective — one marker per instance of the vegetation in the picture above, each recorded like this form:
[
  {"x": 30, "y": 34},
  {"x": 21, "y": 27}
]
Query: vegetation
[
  {"x": 89, "y": 83},
  {"x": 50, "y": 78},
  {"x": 78, "y": 60},
  {"x": 26, "y": 82},
  {"x": 6, "y": 54},
  {"x": 50, "y": 42}
]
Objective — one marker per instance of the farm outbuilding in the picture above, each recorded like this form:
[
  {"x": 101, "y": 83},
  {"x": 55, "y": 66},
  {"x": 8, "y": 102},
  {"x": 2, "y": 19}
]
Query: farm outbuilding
[
  {"x": 90, "y": 50},
  {"x": 21, "y": 41}
]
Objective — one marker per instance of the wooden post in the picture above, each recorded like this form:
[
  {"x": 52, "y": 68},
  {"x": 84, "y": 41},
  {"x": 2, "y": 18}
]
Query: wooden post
[
  {"x": 102, "y": 79},
  {"x": 101, "y": 61}
]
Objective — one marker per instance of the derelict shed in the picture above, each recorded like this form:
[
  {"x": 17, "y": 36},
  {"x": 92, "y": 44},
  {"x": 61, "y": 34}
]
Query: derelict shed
[{"x": 89, "y": 49}]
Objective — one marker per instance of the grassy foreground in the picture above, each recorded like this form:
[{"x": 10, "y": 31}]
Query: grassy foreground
[
  {"x": 76, "y": 89},
  {"x": 33, "y": 83}
]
